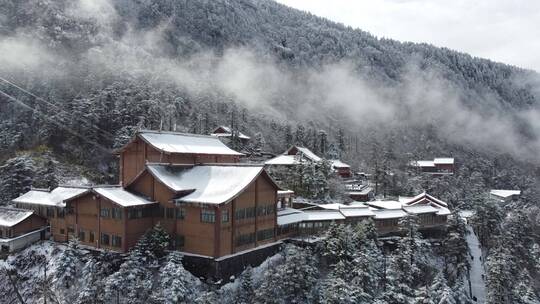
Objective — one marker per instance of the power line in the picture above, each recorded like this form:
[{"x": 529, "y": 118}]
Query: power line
[
  {"x": 111, "y": 136},
  {"x": 61, "y": 126}
]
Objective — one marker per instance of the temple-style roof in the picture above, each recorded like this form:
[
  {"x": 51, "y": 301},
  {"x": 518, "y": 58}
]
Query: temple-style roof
[
  {"x": 207, "y": 184},
  {"x": 174, "y": 142}
]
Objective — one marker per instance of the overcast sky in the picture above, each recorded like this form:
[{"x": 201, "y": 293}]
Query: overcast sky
[{"x": 502, "y": 30}]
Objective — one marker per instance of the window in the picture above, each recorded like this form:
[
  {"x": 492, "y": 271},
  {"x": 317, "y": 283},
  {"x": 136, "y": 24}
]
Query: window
[
  {"x": 62, "y": 231},
  {"x": 225, "y": 216},
  {"x": 71, "y": 229},
  {"x": 105, "y": 239},
  {"x": 265, "y": 234},
  {"x": 240, "y": 214},
  {"x": 208, "y": 216},
  {"x": 180, "y": 213},
  {"x": 250, "y": 212},
  {"x": 170, "y": 213},
  {"x": 160, "y": 212},
  {"x": 261, "y": 210},
  {"x": 81, "y": 235},
  {"x": 50, "y": 212},
  {"x": 104, "y": 212},
  {"x": 116, "y": 213},
  {"x": 270, "y": 209},
  {"x": 70, "y": 209},
  {"x": 245, "y": 239},
  {"x": 60, "y": 213},
  {"x": 116, "y": 241},
  {"x": 91, "y": 236}
]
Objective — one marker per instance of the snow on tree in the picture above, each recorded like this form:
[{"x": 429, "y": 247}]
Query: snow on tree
[
  {"x": 16, "y": 177},
  {"x": 132, "y": 283},
  {"x": 336, "y": 290},
  {"x": 69, "y": 265},
  {"x": 301, "y": 277},
  {"x": 153, "y": 243},
  {"x": 246, "y": 292},
  {"x": 175, "y": 285}
]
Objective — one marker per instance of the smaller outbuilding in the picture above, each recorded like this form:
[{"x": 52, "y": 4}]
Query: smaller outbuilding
[
  {"x": 504, "y": 195},
  {"x": 19, "y": 228}
]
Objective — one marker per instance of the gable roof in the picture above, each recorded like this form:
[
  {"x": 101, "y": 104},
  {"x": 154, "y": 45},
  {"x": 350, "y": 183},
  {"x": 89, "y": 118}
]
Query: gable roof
[
  {"x": 227, "y": 133},
  {"x": 336, "y": 163},
  {"x": 175, "y": 142},
  {"x": 504, "y": 193},
  {"x": 207, "y": 184},
  {"x": 283, "y": 160},
  {"x": 422, "y": 197},
  {"x": 54, "y": 198},
  {"x": 305, "y": 152},
  {"x": 122, "y": 197},
  {"x": 10, "y": 217}
]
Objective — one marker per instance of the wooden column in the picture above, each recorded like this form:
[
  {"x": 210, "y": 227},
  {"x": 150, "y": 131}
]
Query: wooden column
[
  {"x": 256, "y": 207},
  {"x": 217, "y": 232},
  {"x": 98, "y": 236},
  {"x": 124, "y": 232},
  {"x": 233, "y": 223}
]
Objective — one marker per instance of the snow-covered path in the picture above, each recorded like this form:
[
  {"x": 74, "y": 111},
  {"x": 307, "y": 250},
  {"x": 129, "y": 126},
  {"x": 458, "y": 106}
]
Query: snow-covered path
[{"x": 477, "y": 267}]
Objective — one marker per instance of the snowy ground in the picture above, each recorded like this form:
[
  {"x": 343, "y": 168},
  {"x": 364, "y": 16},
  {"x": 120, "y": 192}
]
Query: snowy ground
[{"x": 477, "y": 271}]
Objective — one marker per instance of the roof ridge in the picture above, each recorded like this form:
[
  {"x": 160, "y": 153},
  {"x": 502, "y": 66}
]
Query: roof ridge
[{"x": 176, "y": 133}]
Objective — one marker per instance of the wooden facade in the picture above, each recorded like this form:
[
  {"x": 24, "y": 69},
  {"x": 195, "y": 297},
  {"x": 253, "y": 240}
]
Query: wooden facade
[
  {"x": 215, "y": 230},
  {"x": 135, "y": 155},
  {"x": 25, "y": 225}
]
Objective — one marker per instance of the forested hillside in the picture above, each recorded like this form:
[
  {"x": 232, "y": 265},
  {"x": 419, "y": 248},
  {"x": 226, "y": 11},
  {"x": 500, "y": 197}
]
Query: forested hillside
[{"x": 77, "y": 78}]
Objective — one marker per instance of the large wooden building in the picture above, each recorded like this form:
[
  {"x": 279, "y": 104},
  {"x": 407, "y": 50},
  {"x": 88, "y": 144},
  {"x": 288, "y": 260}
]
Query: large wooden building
[{"x": 191, "y": 185}]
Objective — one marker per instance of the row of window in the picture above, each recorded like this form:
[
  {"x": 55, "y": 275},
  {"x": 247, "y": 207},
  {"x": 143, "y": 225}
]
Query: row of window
[
  {"x": 7, "y": 234},
  {"x": 111, "y": 240},
  {"x": 249, "y": 238},
  {"x": 249, "y": 212},
  {"x": 265, "y": 234}
]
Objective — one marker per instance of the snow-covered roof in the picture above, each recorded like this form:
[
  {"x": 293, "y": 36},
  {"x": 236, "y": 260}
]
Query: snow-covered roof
[
  {"x": 54, "y": 198},
  {"x": 364, "y": 191},
  {"x": 174, "y": 142},
  {"x": 356, "y": 212},
  {"x": 388, "y": 213},
  {"x": 323, "y": 215},
  {"x": 424, "y": 163},
  {"x": 385, "y": 204},
  {"x": 10, "y": 217},
  {"x": 444, "y": 161},
  {"x": 420, "y": 209},
  {"x": 443, "y": 211},
  {"x": 357, "y": 204},
  {"x": 283, "y": 160},
  {"x": 422, "y": 197},
  {"x": 334, "y": 206},
  {"x": 228, "y": 133},
  {"x": 207, "y": 184},
  {"x": 285, "y": 192},
  {"x": 307, "y": 153},
  {"x": 336, "y": 163},
  {"x": 122, "y": 197},
  {"x": 290, "y": 216},
  {"x": 504, "y": 193}
]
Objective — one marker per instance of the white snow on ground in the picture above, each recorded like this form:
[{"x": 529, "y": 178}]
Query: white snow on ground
[{"x": 477, "y": 271}]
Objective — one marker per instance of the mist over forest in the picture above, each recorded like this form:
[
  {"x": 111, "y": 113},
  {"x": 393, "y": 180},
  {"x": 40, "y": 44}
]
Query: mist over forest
[{"x": 79, "y": 78}]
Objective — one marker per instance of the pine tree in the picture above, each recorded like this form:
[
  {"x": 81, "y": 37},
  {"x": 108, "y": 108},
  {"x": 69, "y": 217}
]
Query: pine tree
[
  {"x": 153, "y": 243},
  {"x": 246, "y": 292},
  {"x": 16, "y": 177},
  {"x": 69, "y": 265},
  {"x": 175, "y": 283}
]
